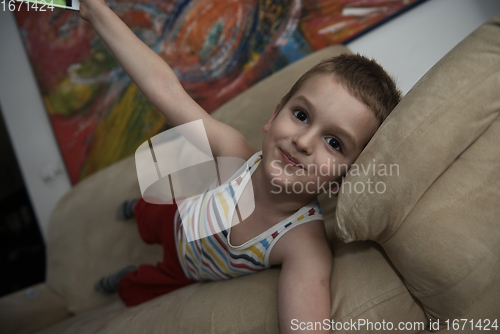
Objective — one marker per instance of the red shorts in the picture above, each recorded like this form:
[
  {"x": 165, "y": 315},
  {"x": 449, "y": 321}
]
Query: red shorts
[{"x": 156, "y": 226}]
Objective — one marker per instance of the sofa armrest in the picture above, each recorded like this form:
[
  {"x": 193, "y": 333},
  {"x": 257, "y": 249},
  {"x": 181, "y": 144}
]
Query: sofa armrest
[{"x": 31, "y": 309}]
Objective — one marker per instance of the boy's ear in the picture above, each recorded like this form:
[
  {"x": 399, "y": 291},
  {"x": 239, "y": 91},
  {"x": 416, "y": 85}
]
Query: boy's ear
[{"x": 266, "y": 127}]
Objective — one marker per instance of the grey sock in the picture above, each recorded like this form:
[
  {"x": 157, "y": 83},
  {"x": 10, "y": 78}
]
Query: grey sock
[
  {"x": 126, "y": 209},
  {"x": 109, "y": 284}
]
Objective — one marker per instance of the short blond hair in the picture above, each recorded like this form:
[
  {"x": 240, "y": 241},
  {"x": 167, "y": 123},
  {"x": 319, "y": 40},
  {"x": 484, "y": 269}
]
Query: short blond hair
[{"x": 364, "y": 78}]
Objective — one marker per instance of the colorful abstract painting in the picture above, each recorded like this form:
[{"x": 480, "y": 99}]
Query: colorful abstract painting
[{"x": 217, "y": 48}]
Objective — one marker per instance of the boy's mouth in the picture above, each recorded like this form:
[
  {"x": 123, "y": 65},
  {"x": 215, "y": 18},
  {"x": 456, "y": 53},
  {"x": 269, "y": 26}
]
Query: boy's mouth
[{"x": 289, "y": 160}]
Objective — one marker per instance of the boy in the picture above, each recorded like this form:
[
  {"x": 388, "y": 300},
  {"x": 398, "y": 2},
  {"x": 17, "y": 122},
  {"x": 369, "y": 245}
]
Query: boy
[{"x": 326, "y": 119}]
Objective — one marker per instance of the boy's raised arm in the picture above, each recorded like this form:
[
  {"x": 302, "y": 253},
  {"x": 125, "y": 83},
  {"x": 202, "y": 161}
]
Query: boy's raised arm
[{"x": 156, "y": 79}]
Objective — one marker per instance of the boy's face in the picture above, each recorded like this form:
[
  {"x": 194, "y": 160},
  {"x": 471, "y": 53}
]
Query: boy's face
[{"x": 315, "y": 137}]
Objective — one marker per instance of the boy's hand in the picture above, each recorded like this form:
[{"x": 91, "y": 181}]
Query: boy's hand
[{"x": 87, "y": 6}]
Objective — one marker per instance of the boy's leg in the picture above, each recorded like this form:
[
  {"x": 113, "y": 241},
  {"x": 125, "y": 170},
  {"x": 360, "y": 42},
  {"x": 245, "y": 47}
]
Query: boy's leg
[
  {"x": 151, "y": 219},
  {"x": 149, "y": 282},
  {"x": 156, "y": 225}
]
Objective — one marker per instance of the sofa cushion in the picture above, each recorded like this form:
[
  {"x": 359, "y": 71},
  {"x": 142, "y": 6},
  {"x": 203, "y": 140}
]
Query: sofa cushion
[
  {"x": 31, "y": 309},
  {"x": 366, "y": 286},
  {"x": 437, "y": 214},
  {"x": 86, "y": 241},
  {"x": 448, "y": 247},
  {"x": 89, "y": 322},
  {"x": 446, "y": 111},
  {"x": 208, "y": 308}
]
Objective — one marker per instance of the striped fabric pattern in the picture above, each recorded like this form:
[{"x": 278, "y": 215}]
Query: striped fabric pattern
[{"x": 203, "y": 233}]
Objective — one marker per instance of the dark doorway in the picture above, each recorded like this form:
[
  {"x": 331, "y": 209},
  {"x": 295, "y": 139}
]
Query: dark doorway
[{"x": 22, "y": 250}]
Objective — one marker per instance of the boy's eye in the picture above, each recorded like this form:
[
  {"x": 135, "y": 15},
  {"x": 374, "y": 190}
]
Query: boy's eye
[
  {"x": 301, "y": 116},
  {"x": 334, "y": 143}
]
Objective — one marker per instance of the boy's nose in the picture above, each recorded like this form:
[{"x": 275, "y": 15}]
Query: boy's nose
[{"x": 304, "y": 142}]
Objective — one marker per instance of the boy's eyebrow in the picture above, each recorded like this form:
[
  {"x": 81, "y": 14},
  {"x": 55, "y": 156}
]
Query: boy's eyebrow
[
  {"x": 347, "y": 136},
  {"x": 308, "y": 104}
]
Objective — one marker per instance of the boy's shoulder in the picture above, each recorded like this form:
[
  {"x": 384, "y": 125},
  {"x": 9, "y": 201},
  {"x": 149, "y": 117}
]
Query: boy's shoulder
[
  {"x": 226, "y": 141},
  {"x": 237, "y": 149},
  {"x": 302, "y": 242}
]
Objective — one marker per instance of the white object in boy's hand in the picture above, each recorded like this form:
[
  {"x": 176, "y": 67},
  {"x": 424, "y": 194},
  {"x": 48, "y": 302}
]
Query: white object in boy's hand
[{"x": 42, "y": 5}]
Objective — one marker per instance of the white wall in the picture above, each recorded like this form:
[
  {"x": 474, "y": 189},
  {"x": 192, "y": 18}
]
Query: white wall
[
  {"x": 406, "y": 46},
  {"x": 409, "y": 45},
  {"x": 28, "y": 125}
]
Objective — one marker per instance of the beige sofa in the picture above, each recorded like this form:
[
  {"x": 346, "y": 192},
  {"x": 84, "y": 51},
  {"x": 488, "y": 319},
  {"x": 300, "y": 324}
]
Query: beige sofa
[{"x": 434, "y": 249}]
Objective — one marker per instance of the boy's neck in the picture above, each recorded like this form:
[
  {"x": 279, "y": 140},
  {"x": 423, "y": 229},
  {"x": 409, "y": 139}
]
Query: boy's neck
[{"x": 273, "y": 204}]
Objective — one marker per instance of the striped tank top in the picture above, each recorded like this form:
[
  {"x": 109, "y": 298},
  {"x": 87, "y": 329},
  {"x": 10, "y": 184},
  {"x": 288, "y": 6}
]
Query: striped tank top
[{"x": 202, "y": 229}]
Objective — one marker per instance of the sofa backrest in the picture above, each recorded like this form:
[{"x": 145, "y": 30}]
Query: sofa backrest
[{"x": 436, "y": 162}]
